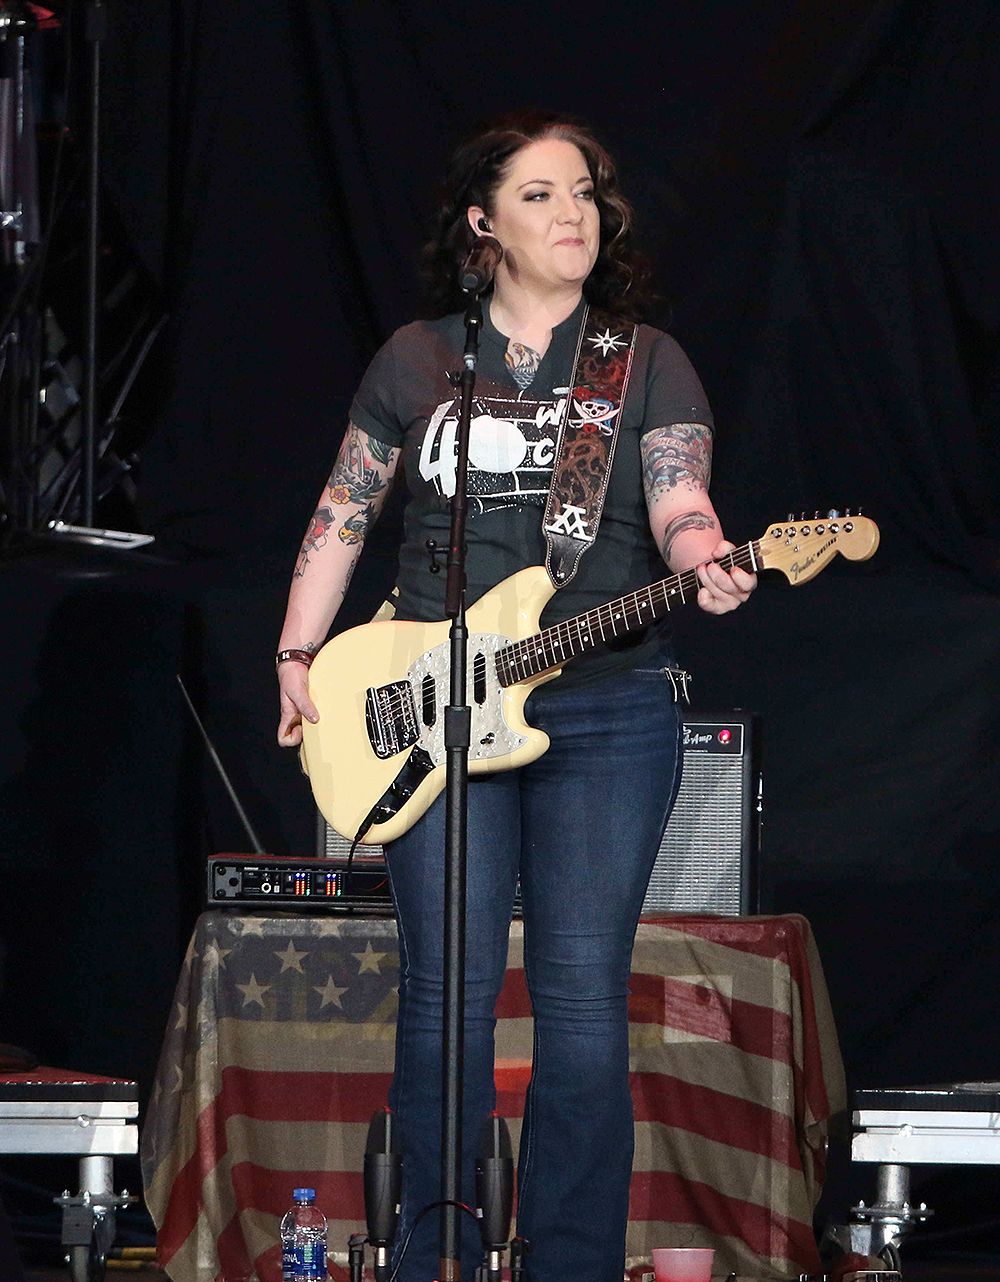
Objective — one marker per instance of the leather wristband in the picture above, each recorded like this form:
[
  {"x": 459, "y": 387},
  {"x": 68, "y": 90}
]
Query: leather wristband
[{"x": 299, "y": 656}]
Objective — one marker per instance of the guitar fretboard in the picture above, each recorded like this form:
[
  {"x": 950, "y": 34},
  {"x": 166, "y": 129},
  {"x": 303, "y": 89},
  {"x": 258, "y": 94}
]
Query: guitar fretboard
[{"x": 554, "y": 646}]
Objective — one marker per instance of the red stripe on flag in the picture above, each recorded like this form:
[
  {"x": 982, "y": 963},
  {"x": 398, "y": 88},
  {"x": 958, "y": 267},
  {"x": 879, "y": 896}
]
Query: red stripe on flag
[
  {"x": 514, "y": 1001},
  {"x": 231, "y": 1250},
  {"x": 668, "y": 1198},
  {"x": 772, "y": 937},
  {"x": 681, "y": 1004},
  {"x": 269, "y": 1097},
  {"x": 510, "y": 1104},
  {"x": 185, "y": 1200},
  {"x": 703, "y": 1011},
  {"x": 340, "y": 1195},
  {"x": 302, "y": 1096},
  {"x": 715, "y": 1116}
]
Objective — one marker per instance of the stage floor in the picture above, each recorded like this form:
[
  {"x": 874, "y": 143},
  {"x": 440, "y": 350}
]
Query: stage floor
[{"x": 955, "y": 1268}]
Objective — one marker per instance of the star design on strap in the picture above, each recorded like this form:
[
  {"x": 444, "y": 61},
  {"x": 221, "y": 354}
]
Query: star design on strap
[{"x": 608, "y": 342}]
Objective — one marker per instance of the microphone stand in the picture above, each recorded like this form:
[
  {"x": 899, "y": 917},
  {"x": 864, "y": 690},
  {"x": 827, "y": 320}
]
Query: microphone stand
[{"x": 457, "y": 729}]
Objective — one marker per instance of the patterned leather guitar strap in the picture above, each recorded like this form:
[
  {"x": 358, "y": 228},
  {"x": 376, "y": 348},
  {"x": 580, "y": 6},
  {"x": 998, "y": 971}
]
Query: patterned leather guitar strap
[{"x": 587, "y": 437}]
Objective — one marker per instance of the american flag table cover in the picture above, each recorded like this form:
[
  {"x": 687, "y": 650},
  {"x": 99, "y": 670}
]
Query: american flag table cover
[{"x": 280, "y": 1048}]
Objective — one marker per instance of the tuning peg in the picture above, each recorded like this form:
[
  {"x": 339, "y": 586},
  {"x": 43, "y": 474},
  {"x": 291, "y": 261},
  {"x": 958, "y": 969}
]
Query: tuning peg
[
  {"x": 791, "y": 516},
  {"x": 833, "y": 514},
  {"x": 816, "y": 515}
]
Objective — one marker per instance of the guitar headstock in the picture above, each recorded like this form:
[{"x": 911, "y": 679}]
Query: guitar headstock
[{"x": 800, "y": 549}]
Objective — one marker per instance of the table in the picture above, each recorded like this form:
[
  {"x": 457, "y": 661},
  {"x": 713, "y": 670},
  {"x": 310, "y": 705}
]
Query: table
[
  {"x": 51, "y": 1110},
  {"x": 956, "y": 1124},
  {"x": 280, "y": 1048}
]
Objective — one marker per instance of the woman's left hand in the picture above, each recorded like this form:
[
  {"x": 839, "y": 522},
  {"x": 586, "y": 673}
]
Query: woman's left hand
[{"x": 722, "y": 591}]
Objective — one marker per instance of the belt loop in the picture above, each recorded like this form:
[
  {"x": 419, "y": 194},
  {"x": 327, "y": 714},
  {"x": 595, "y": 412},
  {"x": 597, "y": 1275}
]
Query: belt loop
[{"x": 679, "y": 683}]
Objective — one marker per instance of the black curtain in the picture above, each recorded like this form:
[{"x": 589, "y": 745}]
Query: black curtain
[{"x": 818, "y": 189}]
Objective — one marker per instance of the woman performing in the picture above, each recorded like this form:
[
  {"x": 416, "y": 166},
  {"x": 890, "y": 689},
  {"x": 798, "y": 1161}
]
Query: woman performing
[{"x": 581, "y": 825}]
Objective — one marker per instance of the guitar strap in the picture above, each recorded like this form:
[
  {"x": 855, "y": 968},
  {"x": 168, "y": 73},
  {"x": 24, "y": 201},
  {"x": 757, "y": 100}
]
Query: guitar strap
[{"x": 587, "y": 437}]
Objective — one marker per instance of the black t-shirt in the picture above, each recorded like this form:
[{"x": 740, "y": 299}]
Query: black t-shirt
[{"x": 406, "y": 401}]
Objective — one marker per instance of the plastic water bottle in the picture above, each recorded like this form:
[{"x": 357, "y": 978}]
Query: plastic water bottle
[{"x": 303, "y": 1240}]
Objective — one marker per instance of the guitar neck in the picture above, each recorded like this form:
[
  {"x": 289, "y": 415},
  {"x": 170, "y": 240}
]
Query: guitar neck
[{"x": 554, "y": 646}]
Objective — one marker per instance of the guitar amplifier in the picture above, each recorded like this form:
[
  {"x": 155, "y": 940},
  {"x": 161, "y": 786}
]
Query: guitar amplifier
[{"x": 707, "y": 861}]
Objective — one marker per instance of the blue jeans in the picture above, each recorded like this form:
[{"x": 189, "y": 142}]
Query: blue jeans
[{"x": 581, "y": 827}]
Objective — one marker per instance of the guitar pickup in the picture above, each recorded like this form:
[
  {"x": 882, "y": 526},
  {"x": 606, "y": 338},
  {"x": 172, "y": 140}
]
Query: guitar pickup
[{"x": 390, "y": 718}]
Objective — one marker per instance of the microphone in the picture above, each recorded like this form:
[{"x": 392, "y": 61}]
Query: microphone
[
  {"x": 483, "y": 260},
  {"x": 383, "y": 1183},
  {"x": 494, "y": 1191}
]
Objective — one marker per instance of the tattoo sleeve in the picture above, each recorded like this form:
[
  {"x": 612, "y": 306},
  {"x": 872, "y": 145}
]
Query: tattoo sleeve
[
  {"x": 316, "y": 536},
  {"x": 693, "y": 520},
  {"x": 380, "y": 451},
  {"x": 680, "y": 454},
  {"x": 354, "y": 479},
  {"x": 355, "y": 492}
]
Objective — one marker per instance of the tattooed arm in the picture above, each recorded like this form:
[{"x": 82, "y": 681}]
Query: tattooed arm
[
  {"x": 676, "y": 466},
  {"x": 351, "y": 501}
]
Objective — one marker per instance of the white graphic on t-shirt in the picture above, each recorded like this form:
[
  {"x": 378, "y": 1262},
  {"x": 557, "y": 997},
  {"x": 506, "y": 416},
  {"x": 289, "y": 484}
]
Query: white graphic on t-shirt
[
  {"x": 439, "y": 450},
  {"x": 572, "y": 521},
  {"x": 496, "y": 444},
  {"x": 512, "y": 446}
]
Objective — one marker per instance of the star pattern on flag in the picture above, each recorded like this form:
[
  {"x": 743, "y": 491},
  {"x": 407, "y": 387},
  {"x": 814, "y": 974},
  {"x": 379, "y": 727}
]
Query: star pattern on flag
[
  {"x": 214, "y": 955},
  {"x": 608, "y": 342},
  {"x": 253, "y": 992},
  {"x": 252, "y": 926},
  {"x": 369, "y": 960},
  {"x": 291, "y": 958},
  {"x": 182, "y": 1016},
  {"x": 330, "y": 994}
]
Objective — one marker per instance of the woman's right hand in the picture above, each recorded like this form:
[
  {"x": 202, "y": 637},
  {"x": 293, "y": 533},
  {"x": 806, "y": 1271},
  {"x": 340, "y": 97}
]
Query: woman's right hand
[{"x": 293, "y": 681}]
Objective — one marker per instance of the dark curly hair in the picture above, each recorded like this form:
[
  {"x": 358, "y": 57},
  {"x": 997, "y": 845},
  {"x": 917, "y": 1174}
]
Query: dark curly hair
[{"x": 619, "y": 280}]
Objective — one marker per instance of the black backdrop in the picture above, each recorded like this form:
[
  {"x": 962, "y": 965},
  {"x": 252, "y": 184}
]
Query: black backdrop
[{"x": 817, "y": 185}]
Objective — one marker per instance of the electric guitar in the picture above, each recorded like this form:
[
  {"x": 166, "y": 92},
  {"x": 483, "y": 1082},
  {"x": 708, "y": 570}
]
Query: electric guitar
[{"x": 376, "y": 757}]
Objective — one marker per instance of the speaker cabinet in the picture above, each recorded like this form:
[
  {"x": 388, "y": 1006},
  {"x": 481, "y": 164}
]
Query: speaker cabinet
[{"x": 707, "y": 861}]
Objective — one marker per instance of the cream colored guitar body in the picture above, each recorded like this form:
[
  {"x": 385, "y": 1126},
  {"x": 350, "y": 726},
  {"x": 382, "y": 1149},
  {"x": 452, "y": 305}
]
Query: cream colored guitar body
[
  {"x": 377, "y": 753},
  {"x": 347, "y": 776}
]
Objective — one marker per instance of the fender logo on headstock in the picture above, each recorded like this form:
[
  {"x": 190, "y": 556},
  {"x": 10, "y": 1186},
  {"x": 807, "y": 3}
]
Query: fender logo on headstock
[{"x": 800, "y": 551}]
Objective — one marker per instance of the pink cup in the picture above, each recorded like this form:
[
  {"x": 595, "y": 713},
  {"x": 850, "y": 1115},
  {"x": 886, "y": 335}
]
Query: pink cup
[{"x": 683, "y": 1264}]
